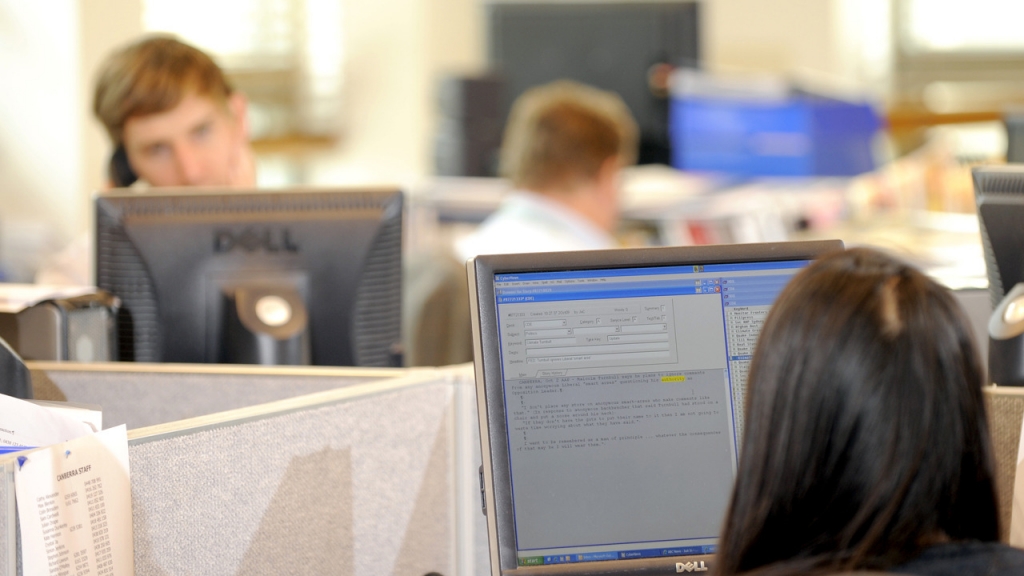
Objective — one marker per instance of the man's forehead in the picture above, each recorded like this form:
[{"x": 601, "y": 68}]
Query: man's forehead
[{"x": 192, "y": 111}]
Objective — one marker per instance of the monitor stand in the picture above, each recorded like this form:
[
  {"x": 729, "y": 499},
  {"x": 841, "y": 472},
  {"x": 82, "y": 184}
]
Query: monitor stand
[{"x": 264, "y": 325}]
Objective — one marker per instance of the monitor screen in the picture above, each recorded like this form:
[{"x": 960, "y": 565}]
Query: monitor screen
[
  {"x": 614, "y": 397},
  {"x": 999, "y": 193},
  {"x": 268, "y": 277}
]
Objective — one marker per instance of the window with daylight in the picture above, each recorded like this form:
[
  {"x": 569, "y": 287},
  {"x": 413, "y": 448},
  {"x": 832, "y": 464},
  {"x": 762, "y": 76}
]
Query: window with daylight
[{"x": 286, "y": 55}]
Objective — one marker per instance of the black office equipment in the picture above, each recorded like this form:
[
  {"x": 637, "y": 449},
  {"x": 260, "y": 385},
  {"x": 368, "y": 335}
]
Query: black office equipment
[
  {"x": 119, "y": 170},
  {"x": 1006, "y": 340},
  {"x": 996, "y": 190},
  {"x": 14, "y": 376},
  {"x": 286, "y": 277},
  {"x": 999, "y": 193},
  {"x": 470, "y": 126},
  {"x": 610, "y": 391},
  {"x": 80, "y": 327},
  {"x": 1013, "y": 121},
  {"x": 623, "y": 47}
]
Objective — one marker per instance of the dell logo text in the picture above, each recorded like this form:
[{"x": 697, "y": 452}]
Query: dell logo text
[
  {"x": 254, "y": 239},
  {"x": 690, "y": 567}
]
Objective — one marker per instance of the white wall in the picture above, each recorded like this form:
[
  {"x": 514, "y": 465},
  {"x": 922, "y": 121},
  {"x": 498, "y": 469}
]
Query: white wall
[
  {"x": 845, "y": 43},
  {"x": 105, "y": 25},
  {"x": 51, "y": 151},
  {"x": 385, "y": 79},
  {"x": 396, "y": 50},
  {"x": 39, "y": 129}
]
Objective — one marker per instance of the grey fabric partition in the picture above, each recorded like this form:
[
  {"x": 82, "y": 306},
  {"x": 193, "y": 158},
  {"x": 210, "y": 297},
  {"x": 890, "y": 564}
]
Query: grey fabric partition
[
  {"x": 378, "y": 477},
  {"x": 363, "y": 480},
  {"x": 1005, "y": 412},
  {"x": 140, "y": 395}
]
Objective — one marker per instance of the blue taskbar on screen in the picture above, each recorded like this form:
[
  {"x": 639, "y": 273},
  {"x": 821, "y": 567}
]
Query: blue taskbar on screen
[{"x": 612, "y": 555}]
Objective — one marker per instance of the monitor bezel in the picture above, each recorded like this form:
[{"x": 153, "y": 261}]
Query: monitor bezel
[
  {"x": 496, "y": 474},
  {"x": 127, "y": 205},
  {"x": 995, "y": 184}
]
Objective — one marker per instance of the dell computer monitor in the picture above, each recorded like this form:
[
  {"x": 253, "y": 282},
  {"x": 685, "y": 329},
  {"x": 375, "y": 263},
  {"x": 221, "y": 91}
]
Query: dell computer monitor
[
  {"x": 610, "y": 391},
  {"x": 264, "y": 277},
  {"x": 999, "y": 193}
]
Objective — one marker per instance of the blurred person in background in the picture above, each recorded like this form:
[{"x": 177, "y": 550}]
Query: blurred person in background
[
  {"x": 564, "y": 149},
  {"x": 173, "y": 120}
]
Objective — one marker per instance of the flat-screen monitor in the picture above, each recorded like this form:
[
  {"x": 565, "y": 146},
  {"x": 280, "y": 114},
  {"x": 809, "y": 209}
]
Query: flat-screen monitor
[
  {"x": 610, "y": 390},
  {"x": 261, "y": 277},
  {"x": 999, "y": 193},
  {"x": 623, "y": 47}
]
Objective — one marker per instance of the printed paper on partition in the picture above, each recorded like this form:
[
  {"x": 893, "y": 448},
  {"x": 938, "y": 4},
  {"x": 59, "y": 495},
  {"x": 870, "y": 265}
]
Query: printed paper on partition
[
  {"x": 27, "y": 424},
  {"x": 74, "y": 507}
]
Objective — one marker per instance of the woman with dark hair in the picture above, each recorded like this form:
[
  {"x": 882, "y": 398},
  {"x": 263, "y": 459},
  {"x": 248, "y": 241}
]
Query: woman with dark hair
[{"x": 866, "y": 444}]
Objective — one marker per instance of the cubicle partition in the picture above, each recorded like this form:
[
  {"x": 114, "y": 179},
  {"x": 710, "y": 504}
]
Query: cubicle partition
[
  {"x": 374, "y": 472},
  {"x": 138, "y": 394},
  {"x": 377, "y": 476},
  {"x": 1005, "y": 412}
]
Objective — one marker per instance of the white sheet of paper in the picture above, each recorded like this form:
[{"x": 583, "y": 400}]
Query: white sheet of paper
[
  {"x": 1017, "y": 508},
  {"x": 89, "y": 414},
  {"x": 75, "y": 507},
  {"x": 26, "y": 424}
]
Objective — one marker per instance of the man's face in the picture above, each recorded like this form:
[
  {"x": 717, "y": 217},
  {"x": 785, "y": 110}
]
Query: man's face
[{"x": 199, "y": 142}]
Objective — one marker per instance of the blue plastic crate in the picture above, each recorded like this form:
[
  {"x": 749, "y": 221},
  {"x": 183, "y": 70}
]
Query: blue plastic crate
[{"x": 798, "y": 136}]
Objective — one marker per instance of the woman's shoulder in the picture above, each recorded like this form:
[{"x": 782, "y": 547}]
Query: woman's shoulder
[{"x": 966, "y": 559}]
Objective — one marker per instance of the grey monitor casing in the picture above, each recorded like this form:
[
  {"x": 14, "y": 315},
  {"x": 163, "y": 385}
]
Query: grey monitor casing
[
  {"x": 1000, "y": 214},
  {"x": 997, "y": 190},
  {"x": 496, "y": 473},
  {"x": 173, "y": 255}
]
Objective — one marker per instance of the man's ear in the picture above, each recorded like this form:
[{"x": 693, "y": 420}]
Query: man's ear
[
  {"x": 609, "y": 172},
  {"x": 243, "y": 168},
  {"x": 238, "y": 105}
]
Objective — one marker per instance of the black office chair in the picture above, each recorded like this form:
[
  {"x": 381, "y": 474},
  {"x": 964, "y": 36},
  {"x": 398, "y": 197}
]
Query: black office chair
[{"x": 435, "y": 310}]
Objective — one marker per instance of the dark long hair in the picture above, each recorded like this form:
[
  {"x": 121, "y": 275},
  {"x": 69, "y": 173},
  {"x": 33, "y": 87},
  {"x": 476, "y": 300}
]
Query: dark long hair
[{"x": 866, "y": 439}]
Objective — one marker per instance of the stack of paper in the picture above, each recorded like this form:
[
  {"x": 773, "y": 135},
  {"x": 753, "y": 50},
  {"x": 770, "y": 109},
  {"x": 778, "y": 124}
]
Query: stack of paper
[
  {"x": 33, "y": 424},
  {"x": 72, "y": 488}
]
